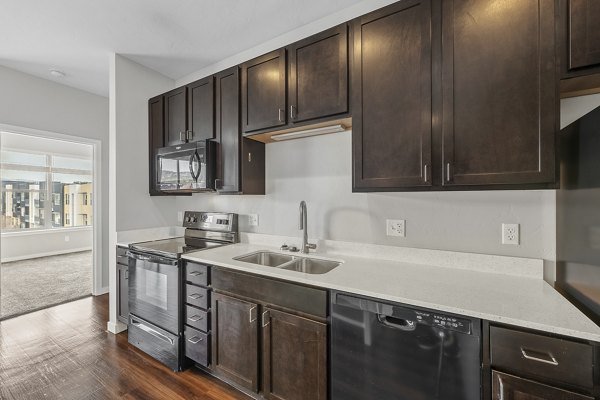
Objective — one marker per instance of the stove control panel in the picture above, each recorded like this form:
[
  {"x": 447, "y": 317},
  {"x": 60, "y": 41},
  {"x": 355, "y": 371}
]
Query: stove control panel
[
  {"x": 444, "y": 321},
  {"x": 208, "y": 221}
]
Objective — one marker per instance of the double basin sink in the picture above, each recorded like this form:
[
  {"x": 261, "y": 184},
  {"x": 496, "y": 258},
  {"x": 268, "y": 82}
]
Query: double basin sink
[{"x": 306, "y": 265}]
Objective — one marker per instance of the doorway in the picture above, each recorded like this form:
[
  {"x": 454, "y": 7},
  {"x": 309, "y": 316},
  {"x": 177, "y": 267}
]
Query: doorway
[{"x": 48, "y": 214}]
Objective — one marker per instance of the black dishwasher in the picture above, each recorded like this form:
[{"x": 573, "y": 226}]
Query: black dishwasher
[{"x": 389, "y": 351}]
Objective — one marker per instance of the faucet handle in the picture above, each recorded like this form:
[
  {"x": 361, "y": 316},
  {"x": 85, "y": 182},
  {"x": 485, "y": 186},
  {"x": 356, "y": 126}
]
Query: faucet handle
[
  {"x": 311, "y": 246},
  {"x": 284, "y": 247}
]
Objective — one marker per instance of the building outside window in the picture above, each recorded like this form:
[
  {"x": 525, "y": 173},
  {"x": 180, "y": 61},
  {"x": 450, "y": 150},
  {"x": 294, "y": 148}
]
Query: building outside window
[{"x": 38, "y": 188}]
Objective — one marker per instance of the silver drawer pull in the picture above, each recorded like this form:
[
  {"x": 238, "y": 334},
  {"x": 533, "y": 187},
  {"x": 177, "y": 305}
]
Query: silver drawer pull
[
  {"x": 195, "y": 339},
  {"x": 195, "y": 296},
  {"x": 196, "y": 273},
  {"x": 195, "y": 318},
  {"x": 551, "y": 361}
]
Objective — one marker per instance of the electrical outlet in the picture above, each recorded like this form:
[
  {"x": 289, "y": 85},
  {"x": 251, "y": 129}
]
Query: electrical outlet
[
  {"x": 395, "y": 227},
  {"x": 67, "y": 238},
  {"x": 253, "y": 219},
  {"x": 510, "y": 234},
  {"x": 179, "y": 216}
]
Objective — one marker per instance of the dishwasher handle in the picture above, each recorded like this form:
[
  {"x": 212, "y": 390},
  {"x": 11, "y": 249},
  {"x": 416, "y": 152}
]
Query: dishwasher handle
[{"x": 406, "y": 325}]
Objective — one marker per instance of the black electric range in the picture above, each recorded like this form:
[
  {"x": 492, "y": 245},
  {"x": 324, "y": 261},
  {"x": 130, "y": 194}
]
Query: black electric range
[{"x": 156, "y": 282}]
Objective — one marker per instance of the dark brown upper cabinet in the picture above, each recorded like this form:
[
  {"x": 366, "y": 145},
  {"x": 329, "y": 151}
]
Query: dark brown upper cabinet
[
  {"x": 201, "y": 110},
  {"x": 499, "y": 96},
  {"x": 391, "y": 102},
  {"x": 175, "y": 116},
  {"x": 241, "y": 161},
  {"x": 156, "y": 137},
  {"x": 318, "y": 76},
  {"x": 263, "y": 92},
  {"x": 583, "y": 35}
]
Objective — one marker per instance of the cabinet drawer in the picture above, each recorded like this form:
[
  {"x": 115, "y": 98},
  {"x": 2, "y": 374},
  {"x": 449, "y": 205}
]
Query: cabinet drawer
[
  {"x": 197, "y": 296},
  {"x": 542, "y": 357},
  {"x": 196, "y": 273},
  {"x": 197, "y": 345},
  {"x": 197, "y": 318}
]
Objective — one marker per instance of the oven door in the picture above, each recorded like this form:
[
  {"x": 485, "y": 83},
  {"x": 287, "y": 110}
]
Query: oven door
[
  {"x": 186, "y": 168},
  {"x": 154, "y": 290}
]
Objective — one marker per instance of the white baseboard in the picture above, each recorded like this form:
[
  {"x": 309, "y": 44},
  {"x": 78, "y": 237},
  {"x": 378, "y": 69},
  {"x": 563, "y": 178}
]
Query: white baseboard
[
  {"x": 46, "y": 254},
  {"x": 115, "y": 327},
  {"x": 101, "y": 291}
]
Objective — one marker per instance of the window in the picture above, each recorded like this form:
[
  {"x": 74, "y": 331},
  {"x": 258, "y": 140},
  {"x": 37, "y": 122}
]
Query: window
[{"x": 41, "y": 189}]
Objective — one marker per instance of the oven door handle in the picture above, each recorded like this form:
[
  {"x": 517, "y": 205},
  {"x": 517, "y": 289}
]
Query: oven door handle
[
  {"x": 152, "y": 259},
  {"x": 152, "y": 332}
]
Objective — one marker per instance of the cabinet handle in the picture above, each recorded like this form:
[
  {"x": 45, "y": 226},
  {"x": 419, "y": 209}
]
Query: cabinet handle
[
  {"x": 127, "y": 274},
  {"x": 265, "y": 318},
  {"x": 195, "y": 318},
  {"x": 195, "y": 339},
  {"x": 196, "y": 273},
  {"x": 279, "y": 116},
  {"x": 252, "y": 314},
  {"x": 292, "y": 112},
  {"x": 195, "y": 296},
  {"x": 249, "y": 157},
  {"x": 181, "y": 136},
  {"x": 551, "y": 361},
  {"x": 425, "y": 172},
  {"x": 448, "y": 172}
]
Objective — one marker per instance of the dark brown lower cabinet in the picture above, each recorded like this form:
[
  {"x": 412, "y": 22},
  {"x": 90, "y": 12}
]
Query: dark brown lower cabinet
[
  {"x": 235, "y": 340},
  {"x": 509, "y": 387},
  {"x": 294, "y": 357}
]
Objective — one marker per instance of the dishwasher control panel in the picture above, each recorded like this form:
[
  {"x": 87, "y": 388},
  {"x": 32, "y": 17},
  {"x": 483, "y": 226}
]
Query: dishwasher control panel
[{"x": 444, "y": 321}]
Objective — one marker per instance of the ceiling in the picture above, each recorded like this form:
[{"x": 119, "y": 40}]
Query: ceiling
[{"x": 175, "y": 37}]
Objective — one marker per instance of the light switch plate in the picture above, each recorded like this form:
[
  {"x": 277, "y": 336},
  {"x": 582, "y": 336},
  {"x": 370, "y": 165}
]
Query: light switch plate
[{"x": 253, "y": 219}]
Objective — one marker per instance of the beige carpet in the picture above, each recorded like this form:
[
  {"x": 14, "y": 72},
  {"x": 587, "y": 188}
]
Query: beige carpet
[{"x": 40, "y": 282}]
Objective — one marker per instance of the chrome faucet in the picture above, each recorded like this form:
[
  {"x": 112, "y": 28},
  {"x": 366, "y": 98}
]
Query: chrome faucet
[{"x": 303, "y": 225}]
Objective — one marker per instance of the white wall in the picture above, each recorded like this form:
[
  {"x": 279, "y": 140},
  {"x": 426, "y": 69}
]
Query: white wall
[
  {"x": 35, "y": 103},
  {"x": 21, "y": 246},
  {"x": 131, "y": 206}
]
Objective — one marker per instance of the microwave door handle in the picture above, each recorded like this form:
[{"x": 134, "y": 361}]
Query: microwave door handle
[{"x": 195, "y": 157}]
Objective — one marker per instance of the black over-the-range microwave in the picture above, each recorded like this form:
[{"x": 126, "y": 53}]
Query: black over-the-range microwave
[{"x": 186, "y": 168}]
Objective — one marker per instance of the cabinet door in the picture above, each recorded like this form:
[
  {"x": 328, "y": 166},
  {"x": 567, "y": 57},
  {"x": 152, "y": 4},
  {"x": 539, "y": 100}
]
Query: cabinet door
[
  {"x": 318, "y": 75},
  {"x": 123, "y": 293},
  {"x": 175, "y": 116},
  {"x": 508, "y": 387},
  {"x": 263, "y": 92},
  {"x": 584, "y": 33},
  {"x": 228, "y": 130},
  {"x": 391, "y": 102},
  {"x": 499, "y": 92},
  {"x": 294, "y": 357},
  {"x": 201, "y": 110},
  {"x": 234, "y": 340},
  {"x": 156, "y": 137}
]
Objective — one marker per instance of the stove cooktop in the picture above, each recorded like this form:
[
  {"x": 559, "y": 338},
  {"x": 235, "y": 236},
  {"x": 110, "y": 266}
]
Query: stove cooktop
[{"x": 175, "y": 247}]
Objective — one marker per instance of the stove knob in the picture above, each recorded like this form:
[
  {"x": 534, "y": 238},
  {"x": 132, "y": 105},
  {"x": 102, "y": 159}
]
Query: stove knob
[
  {"x": 188, "y": 219},
  {"x": 194, "y": 219}
]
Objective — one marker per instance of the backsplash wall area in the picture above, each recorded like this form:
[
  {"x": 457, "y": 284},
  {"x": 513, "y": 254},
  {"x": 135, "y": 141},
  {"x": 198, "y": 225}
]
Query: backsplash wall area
[{"x": 319, "y": 171}]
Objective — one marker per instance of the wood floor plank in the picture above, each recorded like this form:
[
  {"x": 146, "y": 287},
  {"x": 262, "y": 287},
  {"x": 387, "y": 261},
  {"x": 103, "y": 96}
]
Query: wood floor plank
[{"x": 64, "y": 352}]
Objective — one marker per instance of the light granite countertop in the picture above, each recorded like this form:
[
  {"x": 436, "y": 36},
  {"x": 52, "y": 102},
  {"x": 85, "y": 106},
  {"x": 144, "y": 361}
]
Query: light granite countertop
[{"x": 511, "y": 292}]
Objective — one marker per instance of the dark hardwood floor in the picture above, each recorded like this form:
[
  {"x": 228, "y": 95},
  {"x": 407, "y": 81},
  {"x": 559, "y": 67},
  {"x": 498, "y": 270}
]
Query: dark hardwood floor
[{"x": 64, "y": 352}]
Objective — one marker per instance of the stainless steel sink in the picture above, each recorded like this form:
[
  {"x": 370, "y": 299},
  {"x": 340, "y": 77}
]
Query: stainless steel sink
[
  {"x": 311, "y": 265},
  {"x": 266, "y": 258},
  {"x": 289, "y": 262}
]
